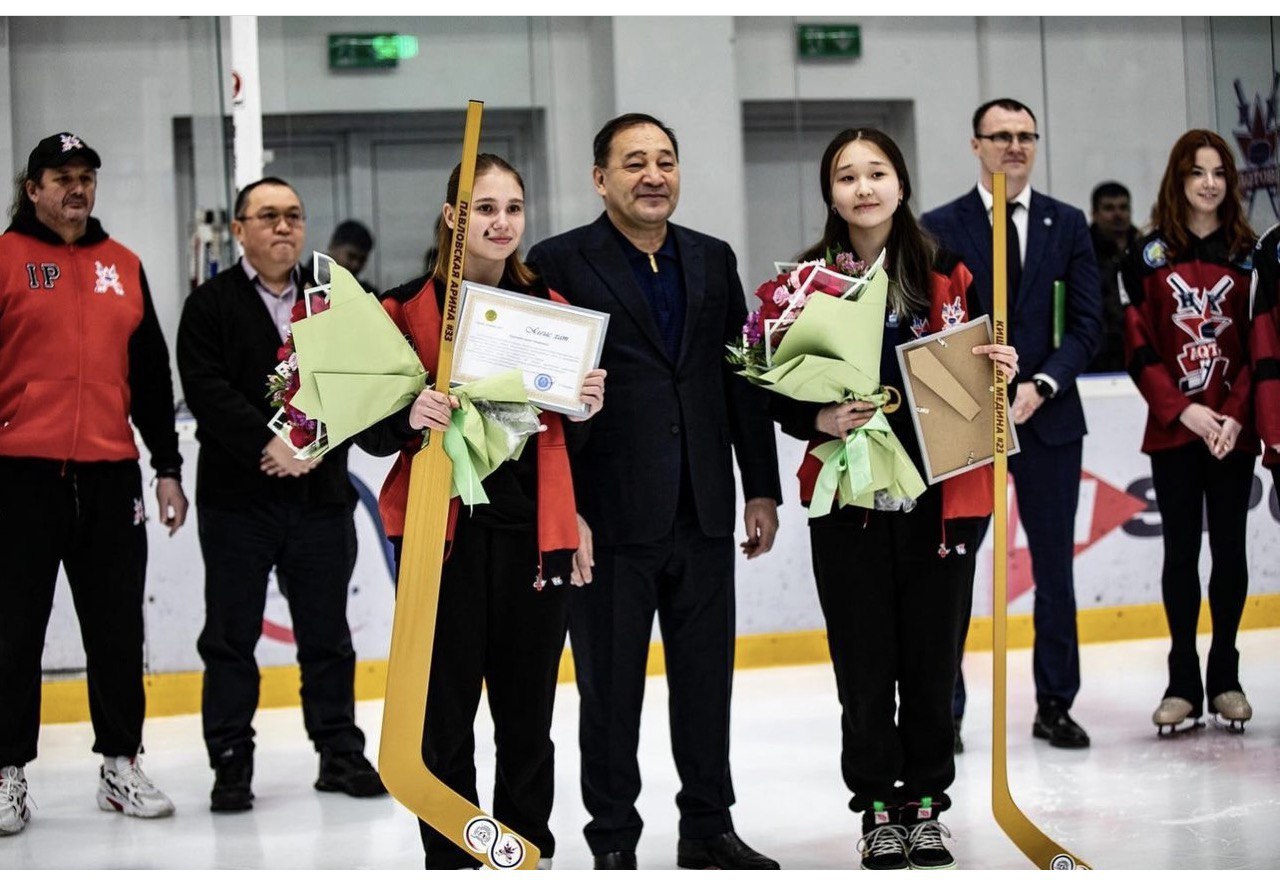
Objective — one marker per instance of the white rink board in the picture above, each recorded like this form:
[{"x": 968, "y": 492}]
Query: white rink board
[{"x": 775, "y": 592}]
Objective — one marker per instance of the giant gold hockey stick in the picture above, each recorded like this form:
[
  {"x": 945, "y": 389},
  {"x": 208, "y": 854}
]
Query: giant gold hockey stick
[
  {"x": 418, "y": 594},
  {"x": 1030, "y": 840}
]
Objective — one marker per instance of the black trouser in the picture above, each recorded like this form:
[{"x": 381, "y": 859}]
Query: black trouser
[
  {"x": 89, "y": 517},
  {"x": 1047, "y": 486},
  {"x": 1192, "y": 485},
  {"x": 687, "y": 579},
  {"x": 313, "y": 549},
  {"x": 493, "y": 627},
  {"x": 895, "y": 612}
]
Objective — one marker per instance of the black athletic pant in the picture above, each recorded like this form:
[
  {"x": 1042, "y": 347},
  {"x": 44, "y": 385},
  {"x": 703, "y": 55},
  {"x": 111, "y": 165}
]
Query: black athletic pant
[
  {"x": 313, "y": 549},
  {"x": 686, "y": 578},
  {"x": 895, "y": 611},
  {"x": 493, "y": 627},
  {"x": 1192, "y": 485},
  {"x": 89, "y": 518}
]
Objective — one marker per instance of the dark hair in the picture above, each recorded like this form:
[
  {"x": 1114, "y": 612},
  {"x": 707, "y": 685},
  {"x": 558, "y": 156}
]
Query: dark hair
[
  {"x": 21, "y": 205},
  {"x": 1006, "y": 104},
  {"x": 349, "y": 231},
  {"x": 1172, "y": 207},
  {"x": 909, "y": 252},
  {"x": 1107, "y": 190},
  {"x": 515, "y": 268},
  {"x": 243, "y": 197},
  {"x": 603, "y": 142}
]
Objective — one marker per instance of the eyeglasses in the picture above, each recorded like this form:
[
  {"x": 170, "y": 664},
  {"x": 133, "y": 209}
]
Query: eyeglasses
[
  {"x": 1004, "y": 139},
  {"x": 271, "y": 218}
]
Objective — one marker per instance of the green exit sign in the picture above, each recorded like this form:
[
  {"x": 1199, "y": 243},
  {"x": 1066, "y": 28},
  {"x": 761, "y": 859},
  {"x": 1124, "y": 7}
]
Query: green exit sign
[
  {"x": 370, "y": 50},
  {"x": 829, "y": 41}
]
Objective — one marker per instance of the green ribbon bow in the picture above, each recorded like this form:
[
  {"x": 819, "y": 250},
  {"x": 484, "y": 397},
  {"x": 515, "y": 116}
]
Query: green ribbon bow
[
  {"x": 491, "y": 425},
  {"x": 869, "y": 459}
]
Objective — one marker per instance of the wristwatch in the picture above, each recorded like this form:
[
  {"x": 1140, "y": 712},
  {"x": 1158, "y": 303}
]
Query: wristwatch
[{"x": 1043, "y": 389}]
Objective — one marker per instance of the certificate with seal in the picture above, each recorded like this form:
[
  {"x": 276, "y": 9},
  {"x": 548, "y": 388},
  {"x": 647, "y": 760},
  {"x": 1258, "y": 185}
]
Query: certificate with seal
[{"x": 552, "y": 344}]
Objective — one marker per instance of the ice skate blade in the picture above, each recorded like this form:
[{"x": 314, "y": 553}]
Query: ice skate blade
[
  {"x": 1186, "y": 725},
  {"x": 1233, "y": 726}
]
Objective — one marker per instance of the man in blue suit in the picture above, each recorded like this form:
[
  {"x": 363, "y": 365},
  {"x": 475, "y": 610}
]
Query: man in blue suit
[{"x": 1048, "y": 243}]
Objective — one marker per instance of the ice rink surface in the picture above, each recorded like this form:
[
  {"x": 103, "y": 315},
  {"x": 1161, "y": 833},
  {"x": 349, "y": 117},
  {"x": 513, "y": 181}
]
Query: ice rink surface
[{"x": 1204, "y": 800}]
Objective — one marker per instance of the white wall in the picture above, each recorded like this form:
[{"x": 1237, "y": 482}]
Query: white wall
[{"x": 1111, "y": 94}]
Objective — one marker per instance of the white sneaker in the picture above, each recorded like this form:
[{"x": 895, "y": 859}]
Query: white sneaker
[
  {"x": 14, "y": 810},
  {"x": 122, "y": 787}
]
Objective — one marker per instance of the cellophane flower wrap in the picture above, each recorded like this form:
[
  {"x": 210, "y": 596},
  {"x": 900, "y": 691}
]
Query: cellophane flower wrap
[{"x": 817, "y": 337}]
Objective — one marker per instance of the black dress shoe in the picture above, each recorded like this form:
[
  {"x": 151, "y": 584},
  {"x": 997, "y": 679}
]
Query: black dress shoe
[
  {"x": 616, "y": 861},
  {"x": 723, "y": 852},
  {"x": 1056, "y": 726},
  {"x": 959, "y": 747},
  {"x": 348, "y": 773},
  {"x": 232, "y": 785}
]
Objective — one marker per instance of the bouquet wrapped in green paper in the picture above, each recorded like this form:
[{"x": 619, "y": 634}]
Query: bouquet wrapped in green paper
[
  {"x": 817, "y": 337},
  {"x": 346, "y": 366}
]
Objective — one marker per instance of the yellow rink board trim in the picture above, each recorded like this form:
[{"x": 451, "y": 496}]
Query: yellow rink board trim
[{"x": 174, "y": 694}]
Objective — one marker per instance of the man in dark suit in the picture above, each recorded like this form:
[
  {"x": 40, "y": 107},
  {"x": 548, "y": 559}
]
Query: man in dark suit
[
  {"x": 259, "y": 507},
  {"x": 655, "y": 483},
  {"x": 1048, "y": 243}
]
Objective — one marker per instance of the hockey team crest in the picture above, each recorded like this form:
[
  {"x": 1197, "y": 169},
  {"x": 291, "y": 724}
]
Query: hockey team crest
[
  {"x": 70, "y": 141},
  {"x": 483, "y": 837},
  {"x": 1198, "y": 313},
  {"x": 1155, "y": 254}
]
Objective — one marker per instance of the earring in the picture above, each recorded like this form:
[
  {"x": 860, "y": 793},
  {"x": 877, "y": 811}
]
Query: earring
[{"x": 834, "y": 211}]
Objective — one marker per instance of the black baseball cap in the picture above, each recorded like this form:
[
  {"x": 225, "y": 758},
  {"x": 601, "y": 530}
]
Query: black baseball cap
[{"x": 59, "y": 150}]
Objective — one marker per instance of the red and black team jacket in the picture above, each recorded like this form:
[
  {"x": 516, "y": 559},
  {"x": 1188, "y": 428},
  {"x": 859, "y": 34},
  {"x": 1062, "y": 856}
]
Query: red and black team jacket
[
  {"x": 1264, "y": 343},
  {"x": 80, "y": 350},
  {"x": 415, "y": 309},
  {"x": 968, "y": 495},
  {"x": 1186, "y": 335}
]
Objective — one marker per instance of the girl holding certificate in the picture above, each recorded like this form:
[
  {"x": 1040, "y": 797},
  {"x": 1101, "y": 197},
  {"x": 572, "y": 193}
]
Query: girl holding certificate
[
  {"x": 502, "y": 609},
  {"x": 1186, "y": 285},
  {"x": 894, "y": 582}
]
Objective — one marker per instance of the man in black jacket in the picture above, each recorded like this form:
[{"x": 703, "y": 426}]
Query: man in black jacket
[
  {"x": 259, "y": 507},
  {"x": 655, "y": 483}
]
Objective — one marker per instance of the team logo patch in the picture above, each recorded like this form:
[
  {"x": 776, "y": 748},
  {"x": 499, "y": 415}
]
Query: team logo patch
[
  {"x": 952, "y": 314},
  {"x": 70, "y": 141},
  {"x": 542, "y": 382},
  {"x": 139, "y": 511},
  {"x": 1198, "y": 313},
  {"x": 919, "y": 326},
  {"x": 108, "y": 279},
  {"x": 1155, "y": 254},
  {"x": 483, "y": 837}
]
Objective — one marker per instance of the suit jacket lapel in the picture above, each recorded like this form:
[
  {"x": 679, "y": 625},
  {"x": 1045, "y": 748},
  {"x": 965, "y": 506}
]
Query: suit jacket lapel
[
  {"x": 1040, "y": 219},
  {"x": 693, "y": 261},
  {"x": 606, "y": 258},
  {"x": 977, "y": 227}
]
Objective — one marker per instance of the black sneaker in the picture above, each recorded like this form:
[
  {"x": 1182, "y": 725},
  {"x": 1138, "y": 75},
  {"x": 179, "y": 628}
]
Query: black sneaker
[
  {"x": 925, "y": 850},
  {"x": 884, "y": 840},
  {"x": 232, "y": 785},
  {"x": 350, "y": 773}
]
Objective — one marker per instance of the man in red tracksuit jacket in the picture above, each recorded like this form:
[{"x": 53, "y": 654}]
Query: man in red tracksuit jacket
[{"x": 80, "y": 354}]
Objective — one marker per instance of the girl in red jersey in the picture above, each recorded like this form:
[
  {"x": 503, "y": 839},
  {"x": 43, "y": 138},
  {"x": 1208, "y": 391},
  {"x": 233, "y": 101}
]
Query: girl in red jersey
[
  {"x": 502, "y": 615},
  {"x": 894, "y": 582},
  {"x": 1186, "y": 333}
]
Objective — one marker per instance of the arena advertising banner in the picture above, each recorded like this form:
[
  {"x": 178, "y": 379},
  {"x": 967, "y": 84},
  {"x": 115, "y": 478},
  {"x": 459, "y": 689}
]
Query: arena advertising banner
[{"x": 1118, "y": 553}]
